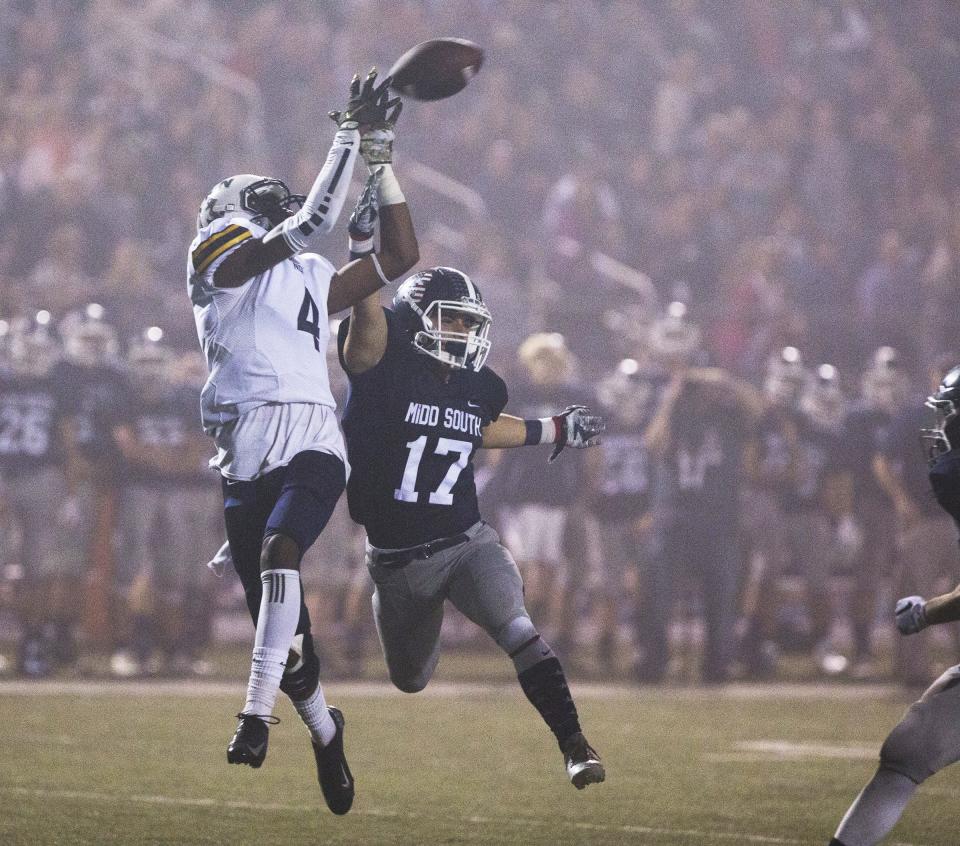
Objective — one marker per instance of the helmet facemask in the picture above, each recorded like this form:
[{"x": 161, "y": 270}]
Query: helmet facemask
[
  {"x": 267, "y": 202},
  {"x": 943, "y": 436},
  {"x": 461, "y": 350},
  {"x": 270, "y": 199}
]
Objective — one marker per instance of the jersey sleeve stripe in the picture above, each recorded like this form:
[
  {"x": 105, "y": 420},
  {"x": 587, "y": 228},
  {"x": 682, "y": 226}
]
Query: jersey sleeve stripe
[
  {"x": 201, "y": 251},
  {"x": 220, "y": 249}
]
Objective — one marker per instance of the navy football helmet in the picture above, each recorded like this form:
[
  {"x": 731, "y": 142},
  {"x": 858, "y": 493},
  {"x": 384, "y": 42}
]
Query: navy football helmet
[
  {"x": 429, "y": 300},
  {"x": 945, "y": 402}
]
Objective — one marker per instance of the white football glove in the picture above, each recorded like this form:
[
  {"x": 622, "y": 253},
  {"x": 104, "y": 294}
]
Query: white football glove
[
  {"x": 578, "y": 429},
  {"x": 911, "y": 614},
  {"x": 219, "y": 562}
]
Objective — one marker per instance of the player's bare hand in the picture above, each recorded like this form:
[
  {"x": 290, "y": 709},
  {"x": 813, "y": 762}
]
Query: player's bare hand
[
  {"x": 578, "y": 428},
  {"x": 911, "y": 614}
]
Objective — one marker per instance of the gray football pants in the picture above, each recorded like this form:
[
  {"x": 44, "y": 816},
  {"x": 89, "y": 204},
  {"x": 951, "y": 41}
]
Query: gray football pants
[
  {"x": 478, "y": 576},
  {"x": 927, "y": 739}
]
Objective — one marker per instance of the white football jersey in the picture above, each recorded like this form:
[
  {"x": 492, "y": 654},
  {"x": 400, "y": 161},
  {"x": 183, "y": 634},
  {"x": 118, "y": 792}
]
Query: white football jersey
[{"x": 265, "y": 341}]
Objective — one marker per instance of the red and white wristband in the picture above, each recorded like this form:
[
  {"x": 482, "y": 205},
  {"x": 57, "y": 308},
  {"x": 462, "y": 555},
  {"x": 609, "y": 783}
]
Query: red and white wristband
[{"x": 546, "y": 430}]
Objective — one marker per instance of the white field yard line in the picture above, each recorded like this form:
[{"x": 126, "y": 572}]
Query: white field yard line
[
  {"x": 765, "y": 751},
  {"x": 455, "y": 690},
  {"x": 199, "y": 802}
]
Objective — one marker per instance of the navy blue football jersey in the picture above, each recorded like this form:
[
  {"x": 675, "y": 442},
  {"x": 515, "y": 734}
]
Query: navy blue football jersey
[
  {"x": 411, "y": 437},
  {"x": 817, "y": 451},
  {"x": 776, "y": 447},
  {"x": 626, "y": 476},
  {"x": 99, "y": 399},
  {"x": 31, "y": 409},
  {"x": 705, "y": 463},
  {"x": 167, "y": 421},
  {"x": 866, "y": 430}
]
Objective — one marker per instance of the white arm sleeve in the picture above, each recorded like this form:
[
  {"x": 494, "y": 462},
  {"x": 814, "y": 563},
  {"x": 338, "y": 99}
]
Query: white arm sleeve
[{"x": 325, "y": 200}]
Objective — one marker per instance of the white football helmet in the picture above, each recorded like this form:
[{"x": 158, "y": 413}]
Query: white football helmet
[
  {"x": 627, "y": 394},
  {"x": 673, "y": 339},
  {"x": 149, "y": 359},
  {"x": 786, "y": 378},
  {"x": 89, "y": 339},
  {"x": 32, "y": 345},
  {"x": 823, "y": 402},
  {"x": 261, "y": 199},
  {"x": 884, "y": 384}
]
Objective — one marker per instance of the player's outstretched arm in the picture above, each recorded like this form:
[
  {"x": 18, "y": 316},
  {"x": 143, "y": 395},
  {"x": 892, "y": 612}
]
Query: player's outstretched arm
[
  {"x": 358, "y": 283},
  {"x": 913, "y": 613},
  {"x": 575, "y": 426},
  {"x": 322, "y": 206},
  {"x": 398, "y": 252}
]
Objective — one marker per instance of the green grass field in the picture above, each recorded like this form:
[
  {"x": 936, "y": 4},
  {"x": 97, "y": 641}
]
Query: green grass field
[{"x": 101, "y": 763}]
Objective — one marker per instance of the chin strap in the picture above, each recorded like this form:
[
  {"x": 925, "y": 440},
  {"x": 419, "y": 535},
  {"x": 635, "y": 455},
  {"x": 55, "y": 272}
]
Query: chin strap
[{"x": 326, "y": 198}]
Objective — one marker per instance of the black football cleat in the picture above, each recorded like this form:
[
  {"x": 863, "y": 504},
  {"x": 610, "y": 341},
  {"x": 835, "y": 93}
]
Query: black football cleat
[
  {"x": 582, "y": 762},
  {"x": 249, "y": 744},
  {"x": 333, "y": 772}
]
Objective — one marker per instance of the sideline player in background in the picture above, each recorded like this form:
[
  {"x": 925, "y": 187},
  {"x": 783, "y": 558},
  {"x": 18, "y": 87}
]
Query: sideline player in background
[
  {"x": 927, "y": 739},
  {"x": 261, "y": 298},
  {"x": 169, "y": 505},
  {"x": 37, "y": 494},
  {"x": 421, "y": 403}
]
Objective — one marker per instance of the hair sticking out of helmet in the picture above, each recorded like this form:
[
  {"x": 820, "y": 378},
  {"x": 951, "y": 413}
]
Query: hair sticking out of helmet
[
  {"x": 445, "y": 316},
  {"x": 945, "y": 404},
  {"x": 547, "y": 358},
  {"x": 264, "y": 201}
]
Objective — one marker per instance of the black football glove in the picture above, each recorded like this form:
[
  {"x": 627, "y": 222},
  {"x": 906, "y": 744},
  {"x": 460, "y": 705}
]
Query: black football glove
[
  {"x": 376, "y": 141},
  {"x": 369, "y": 103},
  {"x": 578, "y": 429}
]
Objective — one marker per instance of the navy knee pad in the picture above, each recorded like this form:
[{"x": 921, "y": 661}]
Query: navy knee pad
[
  {"x": 302, "y": 675},
  {"x": 312, "y": 485}
]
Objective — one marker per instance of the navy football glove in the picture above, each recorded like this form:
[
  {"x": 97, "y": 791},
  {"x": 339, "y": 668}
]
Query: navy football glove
[
  {"x": 578, "y": 428},
  {"x": 363, "y": 219}
]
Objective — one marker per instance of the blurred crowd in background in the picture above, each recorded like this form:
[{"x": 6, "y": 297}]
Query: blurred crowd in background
[{"x": 734, "y": 227}]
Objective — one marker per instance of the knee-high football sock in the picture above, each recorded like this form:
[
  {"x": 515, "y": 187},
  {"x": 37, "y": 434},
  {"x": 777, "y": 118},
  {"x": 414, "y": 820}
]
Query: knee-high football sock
[
  {"x": 313, "y": 711},
  {"x": 276, "y": 626},
  {"x": 545, "y": 685},
  {"x": 876, "y": 810},
  {"x": 301, "y": 682}
]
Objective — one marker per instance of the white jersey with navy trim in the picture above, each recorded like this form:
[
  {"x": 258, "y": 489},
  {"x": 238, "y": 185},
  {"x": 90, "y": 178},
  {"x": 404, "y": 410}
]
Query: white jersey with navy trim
[{"x": 265, "y": 341}]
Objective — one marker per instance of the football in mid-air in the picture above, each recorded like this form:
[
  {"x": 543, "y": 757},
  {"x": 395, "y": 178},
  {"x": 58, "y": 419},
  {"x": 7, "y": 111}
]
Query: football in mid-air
[{"x": 436, "y": 69}]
